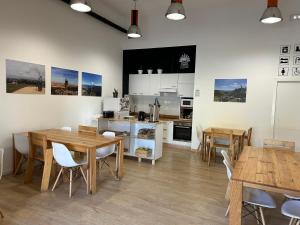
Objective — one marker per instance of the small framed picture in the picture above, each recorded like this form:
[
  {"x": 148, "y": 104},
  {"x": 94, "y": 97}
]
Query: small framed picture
[
  {"x": 297, "y": 49},
  {"x": 297, "y": 60},
  {"x": 283, "y": 71},
  {"x": 296, "y": 71},
  {"x": 284, "y": 60},
  {"x": 285, "y": 49}
]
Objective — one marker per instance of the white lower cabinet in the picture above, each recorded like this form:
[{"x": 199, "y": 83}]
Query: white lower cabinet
[{"x": 168, "y": 132}]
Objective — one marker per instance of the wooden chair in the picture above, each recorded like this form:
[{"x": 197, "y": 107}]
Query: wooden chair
[
  {"x": 278, "y": 144},
  {"x": 248, "y": 137},
  {"x": 87, "y": 130},
  {"x": 216, "y": 136},
  {"x": 39, "y": 151}
]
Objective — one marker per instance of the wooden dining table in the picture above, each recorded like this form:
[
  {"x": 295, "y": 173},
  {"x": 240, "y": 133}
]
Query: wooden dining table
[
  {"x": 269, "y": 169},
  {"x": 238, "y": 134},
  {"x": 83, "y": 143}
]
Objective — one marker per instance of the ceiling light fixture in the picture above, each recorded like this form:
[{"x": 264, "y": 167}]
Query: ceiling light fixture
[
  {"x": 272, "y": 14},
  {"x": 80, "y": 5},
  {"x": 134, "y": 30},
  {"x": 176, "y": 10}
]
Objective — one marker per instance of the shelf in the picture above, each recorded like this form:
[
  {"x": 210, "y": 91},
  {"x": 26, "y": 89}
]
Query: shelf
[{"x": 135, "y": 137}]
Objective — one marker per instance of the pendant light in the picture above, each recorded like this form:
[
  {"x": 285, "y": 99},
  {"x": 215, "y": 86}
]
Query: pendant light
[
  {"x": 80, "y": 5},
  {"x": 134, "y": 30},
  {"x": 176, "y": 10},
  {"x": 272, "y": 14}
]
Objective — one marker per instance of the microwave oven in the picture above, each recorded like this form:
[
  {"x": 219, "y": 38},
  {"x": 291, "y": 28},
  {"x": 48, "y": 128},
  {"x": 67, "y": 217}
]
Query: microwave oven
[{"x": 186, "y": 103}]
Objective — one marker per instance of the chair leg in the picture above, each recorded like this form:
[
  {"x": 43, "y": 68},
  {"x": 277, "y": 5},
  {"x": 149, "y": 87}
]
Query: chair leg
[
  {"x": 262, "y": 216},
  {"x": 292, "y": 221},
  {"x": 18, "y": 166},
  {"x": 83, "y": 175},
  {"x": 110, "y": 169},
  {"x": 256, "y": 215},
  {"x": 209, "y": 156},
  {"x": 227, "y": 211},
  {"x": 71, "y": 178},
  {"x": 58, "y": 176},
  {"x": 1, "y": 214},
  {"x": 298, "y": 223}
]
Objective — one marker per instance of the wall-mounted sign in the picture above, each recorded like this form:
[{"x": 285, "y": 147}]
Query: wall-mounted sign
[
  {"x": 184, "y": 61},
  {"x": 296, "y": 71},
  {"x": 284, "y": 60},
  {"x": 297, "y": 49},
  {"x": 297, "y": 60},
  {"x": 285, "y": 49},
  {"x": 283, "y": 71}
]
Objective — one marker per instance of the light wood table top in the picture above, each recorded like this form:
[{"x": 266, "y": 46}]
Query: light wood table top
[
  {"x": 271, "y": 170},
  {"x": 236, "y": 132},
  {"x": 77, "y": 138}
]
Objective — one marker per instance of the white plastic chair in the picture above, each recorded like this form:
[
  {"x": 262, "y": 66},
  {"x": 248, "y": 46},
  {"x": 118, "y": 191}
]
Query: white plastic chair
[
  {"x": 66, "y": 129},
  {"x": 21, "y": 144},
  {"x": 103, "y": 153},
  {"x": 291, "y": 208},
  {"x": 227, "y": 159},
  {"x": 255, "y": 198},
  {"x": 64, "y": 158},
  {"x": 1, "y": 171}
]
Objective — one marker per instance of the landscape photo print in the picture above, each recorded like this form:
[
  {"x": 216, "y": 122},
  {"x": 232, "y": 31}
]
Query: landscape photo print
[
  {"x": 230, "y": 90},
  {"x": 24, "y": 78},
  {"x": 64, "y": 81},
  {"x": 91, "y": 84}
]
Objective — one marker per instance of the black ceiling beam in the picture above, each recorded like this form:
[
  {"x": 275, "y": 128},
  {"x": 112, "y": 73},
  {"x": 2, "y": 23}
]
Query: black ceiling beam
[{"x": 102, "y": 19}]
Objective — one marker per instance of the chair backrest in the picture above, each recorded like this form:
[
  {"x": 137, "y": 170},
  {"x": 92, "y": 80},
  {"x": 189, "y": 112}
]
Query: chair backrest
[
  {"x": 1, "y": 162},
  {"x": 62, "y": 155},
  {"x": 277, "y": 144},
  {"x": 37, "y": 141},
  {"x": 228, "y": 169},
  {"x": 110, "y": 149},
  {"x": 21, "y": 143},
  {"x": 87, "y": 130},
  {"x": 221, "y": 134},
  {"x": 249, "y": 136},
  {"x": 226, "y": 158},
  {"x": 66, "y": 129}
]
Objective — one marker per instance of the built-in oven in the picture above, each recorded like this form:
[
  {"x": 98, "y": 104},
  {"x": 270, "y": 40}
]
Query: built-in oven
[
  {"x": 186, "y": 103},
  {"x": 182, "y": 131}
]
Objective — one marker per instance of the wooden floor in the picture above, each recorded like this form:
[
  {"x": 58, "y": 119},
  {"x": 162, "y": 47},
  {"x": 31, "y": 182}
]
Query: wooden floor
[{"x": 179, "y": 189}]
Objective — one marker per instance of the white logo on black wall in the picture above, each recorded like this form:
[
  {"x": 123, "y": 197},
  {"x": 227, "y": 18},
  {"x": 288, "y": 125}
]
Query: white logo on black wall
[{"x": 184, "y": 61}]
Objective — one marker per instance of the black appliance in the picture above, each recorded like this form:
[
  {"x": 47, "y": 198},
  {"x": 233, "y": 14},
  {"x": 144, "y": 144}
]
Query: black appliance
[
  {"x": 182, "y": 131},
  {"x": 108, "y": 114},
  {"x": 141, "y": 116}
]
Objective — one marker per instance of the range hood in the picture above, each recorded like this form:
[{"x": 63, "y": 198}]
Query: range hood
[{"x": 168, "y": 90}]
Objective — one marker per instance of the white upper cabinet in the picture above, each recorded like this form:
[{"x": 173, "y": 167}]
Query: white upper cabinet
[
  {"x": 169, "y": 81},
  {"x": 139, "y": 84},
  {"x": 154, "y": 84},
  {"x": 186, "y": 85}
]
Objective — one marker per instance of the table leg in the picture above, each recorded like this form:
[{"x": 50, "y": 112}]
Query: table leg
[
  {"x": 48, "y": 161},
  {"x": 120, "y": 158},
  {"x": 92, "y": 170},
  {"x": 30, "y": 165},
  {"x": 203, "y": 146},
  {"x": 236, "y": 198}
]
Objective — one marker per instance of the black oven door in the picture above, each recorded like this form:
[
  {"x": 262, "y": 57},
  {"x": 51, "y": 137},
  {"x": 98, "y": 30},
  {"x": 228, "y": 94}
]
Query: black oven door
[{"x": 182, "y": 132}]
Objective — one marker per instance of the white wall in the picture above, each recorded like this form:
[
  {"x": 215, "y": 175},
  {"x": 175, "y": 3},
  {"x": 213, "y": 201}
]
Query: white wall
[
  {"x": 48, "y": 32},
  {"x": 231, "y": 43}
]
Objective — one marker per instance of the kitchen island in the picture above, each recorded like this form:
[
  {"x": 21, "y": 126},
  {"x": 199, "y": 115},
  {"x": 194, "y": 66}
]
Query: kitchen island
[{"x": 143, "y": 139}]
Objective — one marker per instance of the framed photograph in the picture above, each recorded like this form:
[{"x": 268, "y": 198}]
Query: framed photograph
[
  {"x": 91, "y": 84},
  {"x": 297, "y": 60},
  {"x": 64, "y": 81},
  {"x": 283, "y": 71},
  {"x": 24, "y": 78},
  {"x": 297, "y": 49},
  {"x": 284, "y": 60},
  {"x": 285, "y": 49},
  {"x": 296, "y": 71},
  {"x": 230, "y": 90}
]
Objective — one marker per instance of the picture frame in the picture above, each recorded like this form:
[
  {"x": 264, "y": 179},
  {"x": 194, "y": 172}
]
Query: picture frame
[
  {"x": 64, "y": 81},
  {"x": 283, "y": 71},
  {"x": 285, "y": 49},
  {"x": 91, "y": 84},
  {"x": 230, "y": 90}
]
